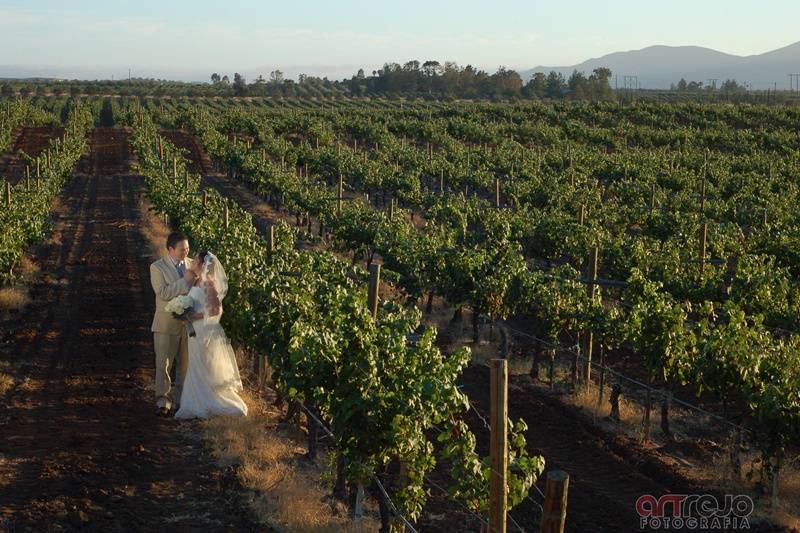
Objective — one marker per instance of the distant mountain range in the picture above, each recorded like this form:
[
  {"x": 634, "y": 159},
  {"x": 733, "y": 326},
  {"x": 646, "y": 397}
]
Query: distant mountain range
[{"x": 656, "y": 67}]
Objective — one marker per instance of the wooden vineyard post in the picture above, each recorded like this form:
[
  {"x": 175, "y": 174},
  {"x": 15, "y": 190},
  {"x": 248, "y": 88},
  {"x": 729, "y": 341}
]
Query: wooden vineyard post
[
  {"x": 373, "y": 295},
  {"x": 391, "y": 209},
  {"x": 38, "y": 168},
  {"x": 735, "y": 460},
  {"x": 497, "y": 192},
  {"x": 703, "y": 198},
  {"x": 652, "y": 198},
  {"x": 340, "y": 192},
  {"x": 703, "y": 243},
  {"x": 554, "y": 516},
  {"x": 205, "y": 199},
  {"x": 263, "y": 359},
  {"x": 602, "y": 379},
  {"x": 313, "y": 432},
  {"x": 271, "y": 238},
  {"x": 616, "y": 392},
  {"x": 498, "y": 447},
  {"x": 588, "y": 336},
  {"x": 731, "y": 269},
  {"x": 569, "y": 155},
  {"x": 357, "y": 502},
  {"x": 441, "y": 182},
  {"x": 8, "y": 194},
  {"x": 576, "y": 354},
  {"x": 665, "y": 407},
  {"x": 174, "y": 167},
  {"x": 227, "y": 216},
  {"x": 646, "y": 420}
]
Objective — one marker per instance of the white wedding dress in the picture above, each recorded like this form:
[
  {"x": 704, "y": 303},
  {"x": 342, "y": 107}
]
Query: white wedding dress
[{"x": 212, "y": 379}]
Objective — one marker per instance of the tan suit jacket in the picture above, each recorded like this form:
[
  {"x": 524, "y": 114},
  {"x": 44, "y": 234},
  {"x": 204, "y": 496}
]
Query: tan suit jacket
[{"x": 167, "y": 284}]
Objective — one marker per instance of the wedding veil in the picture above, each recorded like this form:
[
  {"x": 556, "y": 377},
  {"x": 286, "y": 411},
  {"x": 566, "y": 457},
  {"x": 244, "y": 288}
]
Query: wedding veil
[
  {"x": 213, "y": 273},
  {"x": 220, "y": 359}
]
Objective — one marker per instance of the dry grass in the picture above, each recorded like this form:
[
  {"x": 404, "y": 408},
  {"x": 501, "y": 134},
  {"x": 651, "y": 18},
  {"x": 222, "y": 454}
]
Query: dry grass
[
  {"x": 631, "y": 414},
  {"x": 6, "y": 383},
  {"x": 153, "y": 228},
  {"x": 28, "y": 267},
  {"x": 788, "y": 512},
  {"x": 14, "y": 299},
  {"x": 286, "y": 491}
]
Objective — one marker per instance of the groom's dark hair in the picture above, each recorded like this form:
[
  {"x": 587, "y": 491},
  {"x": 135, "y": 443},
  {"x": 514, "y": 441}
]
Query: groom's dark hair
[{"x": 175, "y": 237}]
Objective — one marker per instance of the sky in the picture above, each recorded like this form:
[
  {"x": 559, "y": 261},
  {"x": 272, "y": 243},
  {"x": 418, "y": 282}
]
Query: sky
[{"x": 191, "y": 39}]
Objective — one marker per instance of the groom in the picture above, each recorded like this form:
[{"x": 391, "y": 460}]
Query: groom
[{"x": 170, "y": 276}]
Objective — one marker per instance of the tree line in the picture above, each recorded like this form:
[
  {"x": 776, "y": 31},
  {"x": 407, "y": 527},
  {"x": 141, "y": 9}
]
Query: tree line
[
  {"x": 434, "y": 79},
  {"x": 430, "y": 79}
]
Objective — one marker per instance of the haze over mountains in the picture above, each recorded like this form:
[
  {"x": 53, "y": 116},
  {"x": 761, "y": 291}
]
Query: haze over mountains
[{"x": 657, "y": 67}]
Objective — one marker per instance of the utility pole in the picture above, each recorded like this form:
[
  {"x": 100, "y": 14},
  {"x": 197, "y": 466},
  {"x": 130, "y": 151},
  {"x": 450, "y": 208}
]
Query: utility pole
[
  {"x": 630, "y": 82},
  {"x": 713, "y": 83},
  {"x": 794, "y": 82}
]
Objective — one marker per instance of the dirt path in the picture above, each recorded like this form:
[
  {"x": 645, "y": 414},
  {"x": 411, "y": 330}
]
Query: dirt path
[
  {"x": 32, "y": 141},
  {"x": 80, "y": 445},
  {"x": 199, "y": 161}
]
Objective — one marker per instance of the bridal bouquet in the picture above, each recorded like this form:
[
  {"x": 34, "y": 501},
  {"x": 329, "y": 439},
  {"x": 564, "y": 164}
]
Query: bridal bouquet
[{"x": 181, "y": 308}]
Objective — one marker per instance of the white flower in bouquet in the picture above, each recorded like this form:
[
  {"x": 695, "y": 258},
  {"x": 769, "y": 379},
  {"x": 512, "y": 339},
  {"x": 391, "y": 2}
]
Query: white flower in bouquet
[
  {"x": 179, "y": 304},
  {"x": 181, "y": 307}
]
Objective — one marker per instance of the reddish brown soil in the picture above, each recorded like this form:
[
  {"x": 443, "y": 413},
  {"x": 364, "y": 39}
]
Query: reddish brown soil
[
  {"x": 200, "y": 163},
  {"x": 81, "y": 447},
  {"x": 31, "y": 141}
]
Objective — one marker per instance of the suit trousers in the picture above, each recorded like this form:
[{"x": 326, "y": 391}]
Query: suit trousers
[{"x": 171, "y": 350}]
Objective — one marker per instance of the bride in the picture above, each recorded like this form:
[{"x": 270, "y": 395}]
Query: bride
[{"x": 212, "y": 379}]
